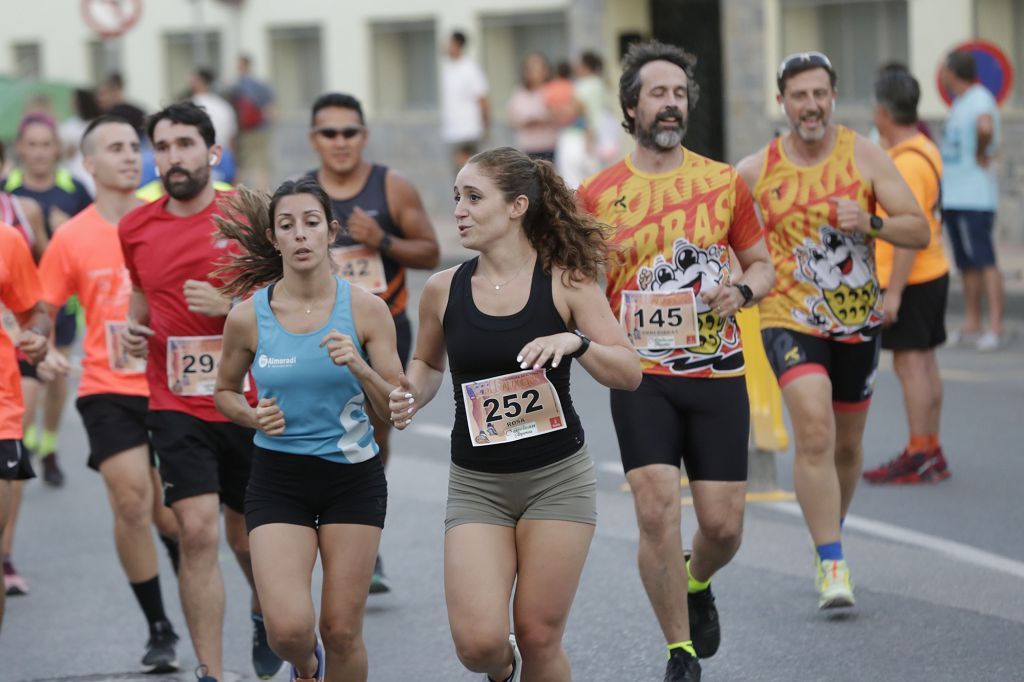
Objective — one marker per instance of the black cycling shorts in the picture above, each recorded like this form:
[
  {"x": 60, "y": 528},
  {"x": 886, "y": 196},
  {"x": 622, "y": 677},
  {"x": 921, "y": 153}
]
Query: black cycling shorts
[
  {"x": 705, "y": 423},
  {"x": 14, "y": 462},
  {"x": 921, "y": 320},
  {"x": 114, "y": 423}
]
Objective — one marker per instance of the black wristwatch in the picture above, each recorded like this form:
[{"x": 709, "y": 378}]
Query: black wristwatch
[
  {"x": 876, "y": 225},
  {"x": 747, "y": 294},
  {"x": 385, "y": 243},
  {"x": 584, "y": 345}
]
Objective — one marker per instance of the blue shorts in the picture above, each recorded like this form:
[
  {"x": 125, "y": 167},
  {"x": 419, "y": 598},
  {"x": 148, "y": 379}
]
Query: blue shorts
[{"x": 970, "y": 233}]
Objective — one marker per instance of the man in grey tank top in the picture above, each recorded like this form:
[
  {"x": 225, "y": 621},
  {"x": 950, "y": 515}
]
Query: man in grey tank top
[{"x": 385, "y": 228}]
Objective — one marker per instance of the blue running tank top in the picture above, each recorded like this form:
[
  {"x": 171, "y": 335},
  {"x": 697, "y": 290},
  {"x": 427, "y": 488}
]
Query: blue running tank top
[{"x": 323, "y": 404}]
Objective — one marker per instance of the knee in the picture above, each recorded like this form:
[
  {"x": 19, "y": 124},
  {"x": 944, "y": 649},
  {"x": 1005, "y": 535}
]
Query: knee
[
  {"x": 815, "y": 439},
  {"x": 340, "y": 636},
  {"x": 133, "y": 507},
  {"x": 846, "y": 452},
  {"x": 724, "y": 532},
  {"x": 536, "y": 639},
  {"x": 197, "y": 536},
  {"x": 239, "y": 543},
  {"x": 480, "y": 652},
  {"x": 290, "y": 640},
  {"x": 656, "y": 515}
]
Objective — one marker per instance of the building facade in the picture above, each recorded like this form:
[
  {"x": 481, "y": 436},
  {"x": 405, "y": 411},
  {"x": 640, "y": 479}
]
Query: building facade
[{"x": 388, "y": 53}]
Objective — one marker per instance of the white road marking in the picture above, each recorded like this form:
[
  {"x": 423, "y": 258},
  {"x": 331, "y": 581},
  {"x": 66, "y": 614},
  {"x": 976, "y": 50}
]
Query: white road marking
[
  {"x": 610, "y": 467},
  {"x": 956, "y": 550}
]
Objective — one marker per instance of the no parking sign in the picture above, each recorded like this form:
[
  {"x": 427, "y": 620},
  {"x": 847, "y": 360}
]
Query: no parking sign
[{"x": 994, "y": 70}]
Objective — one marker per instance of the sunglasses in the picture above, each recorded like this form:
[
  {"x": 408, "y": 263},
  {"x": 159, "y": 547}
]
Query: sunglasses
[
  {"x": 794, "y": 60},
  {"x": 331, "y": 133}
]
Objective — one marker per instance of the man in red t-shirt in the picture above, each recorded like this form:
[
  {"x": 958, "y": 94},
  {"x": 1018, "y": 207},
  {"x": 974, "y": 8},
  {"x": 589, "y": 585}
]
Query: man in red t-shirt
[
  {"x": 27, "y": 328},
  {"x": 84, "y": 259},
  {"x": 176, "y": 319}
]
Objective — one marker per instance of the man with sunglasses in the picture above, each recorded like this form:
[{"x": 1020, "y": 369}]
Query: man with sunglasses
[
  {"x": 817, "y": 187},
  {"x": 385, "y": 228}
]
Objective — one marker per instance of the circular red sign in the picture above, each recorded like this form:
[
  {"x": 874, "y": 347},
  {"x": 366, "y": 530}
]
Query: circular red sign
[
  {"x": 994, "y": 70},
  {"x": 111, "y": 18}
]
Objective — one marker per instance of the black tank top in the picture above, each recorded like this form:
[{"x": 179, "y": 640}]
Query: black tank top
[
  {"x": 482, "y": 346},
  {"x": 373, "y": 198}
]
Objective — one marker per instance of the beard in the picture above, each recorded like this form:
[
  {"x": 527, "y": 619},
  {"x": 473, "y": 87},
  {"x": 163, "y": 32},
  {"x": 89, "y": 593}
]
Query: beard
[
  {"x": 809, "y": 136},
  {"x": 662, "y": 139},
  {"x": 188, "y": 187}
]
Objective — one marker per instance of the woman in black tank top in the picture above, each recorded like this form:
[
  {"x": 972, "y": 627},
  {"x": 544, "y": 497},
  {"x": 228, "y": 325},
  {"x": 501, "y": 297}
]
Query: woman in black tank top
[{"x": 521, "y": 496}]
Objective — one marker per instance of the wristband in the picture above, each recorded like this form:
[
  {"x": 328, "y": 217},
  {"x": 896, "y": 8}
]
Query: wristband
[{"x": 584, "y": 344}]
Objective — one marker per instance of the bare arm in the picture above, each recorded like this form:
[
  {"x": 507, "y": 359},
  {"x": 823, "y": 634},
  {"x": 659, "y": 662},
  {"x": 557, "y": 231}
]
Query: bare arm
[
  {"x": 485, "y": 113},
  {"x": 609, "y": 359},
  {"x": 417, "y": 247},
  {"x": 426, "y": 371},
  {"x": 376, "y": 330},
  {"x": 986, "y": 131},
  {"x": 236, "y": 357},
  {"x": 750, "y": 170},
  {"x": 905, "y": 225},
  {"x": 136, "y": 334}
]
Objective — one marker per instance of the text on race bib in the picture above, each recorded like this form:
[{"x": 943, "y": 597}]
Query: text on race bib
[
  {"x": 511, "y": 407},
  {"x": 192, "y": 364},
  {"x": 361, "y": 266},
  {"x": 660, "y": 320},
  {"x": 117, "y": 355}
]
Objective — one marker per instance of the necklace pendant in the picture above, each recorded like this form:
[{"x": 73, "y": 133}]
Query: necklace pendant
[
  {"x": 497, "y": 287},
  {"x": 308, "y": 311}
]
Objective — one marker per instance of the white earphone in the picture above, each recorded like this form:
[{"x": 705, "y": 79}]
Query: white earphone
[
  {"x": 782, "y": 108},
  {"x": 213, "y": 160}
]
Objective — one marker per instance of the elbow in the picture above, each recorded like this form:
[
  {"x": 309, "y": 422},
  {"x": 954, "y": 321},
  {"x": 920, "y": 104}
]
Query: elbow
[
  {"x": 923, "y": 235},
  {"x": 631, "y": 378}
]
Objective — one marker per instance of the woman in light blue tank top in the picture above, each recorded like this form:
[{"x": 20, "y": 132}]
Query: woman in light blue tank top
[{"x": 317, "y": 348}]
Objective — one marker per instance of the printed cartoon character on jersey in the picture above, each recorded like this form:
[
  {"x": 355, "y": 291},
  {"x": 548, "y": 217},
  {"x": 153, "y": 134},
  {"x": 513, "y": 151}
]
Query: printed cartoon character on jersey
[
  {"x": 842, "y": 268},
  {"x": 700, "y": 270}
]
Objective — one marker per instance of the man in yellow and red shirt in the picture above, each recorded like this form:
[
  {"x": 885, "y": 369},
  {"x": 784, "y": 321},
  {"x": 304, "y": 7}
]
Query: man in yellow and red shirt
[
  {"x": 816, "y": 187},
  {"x": 676, "y": 215},
  {"x": 25, "y": 327},
  {"x": 915, "y": 285},
  {"x": 84, "y": 259}
]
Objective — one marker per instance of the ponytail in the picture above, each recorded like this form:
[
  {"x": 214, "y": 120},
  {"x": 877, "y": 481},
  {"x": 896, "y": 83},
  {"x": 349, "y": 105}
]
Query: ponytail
[{"x": 246, "y": 221}]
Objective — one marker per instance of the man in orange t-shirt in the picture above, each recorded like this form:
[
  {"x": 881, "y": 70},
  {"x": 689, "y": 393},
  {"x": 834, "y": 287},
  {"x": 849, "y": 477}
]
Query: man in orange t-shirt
[
  {"x": 84, "y": 259},
  {"x": 916, "y": 285},
  {"x": 27, "y": 327}
]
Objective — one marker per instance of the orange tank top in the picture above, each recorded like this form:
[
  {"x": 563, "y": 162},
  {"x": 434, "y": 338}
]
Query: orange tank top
[{"x": 826, "y": 283}]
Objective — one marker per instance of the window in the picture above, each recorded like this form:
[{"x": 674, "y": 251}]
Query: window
[
  {"x": 405, "y": 56},
  {"x": 296, "y": 67},
  {"x": 186, "y": 53},
  {"x": 857, "y": 36},
  {"x": 28, "y": 61},
  {"x": 508, "y": 39}
]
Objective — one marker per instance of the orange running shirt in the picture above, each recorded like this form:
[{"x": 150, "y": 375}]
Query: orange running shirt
[
  {"x": 825, "y": 279},
  {"x": 920, "y": 163},
  {"x": 84, "y": 258},
  {"x": 19, "y": 291},
  {"x": 673, "y": 231}
]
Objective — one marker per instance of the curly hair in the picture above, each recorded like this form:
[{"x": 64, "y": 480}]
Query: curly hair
[
  {"x": 641, "y": 54},
  {"x": 248, "y": 220},
  {"x": 562, "y": 234}
]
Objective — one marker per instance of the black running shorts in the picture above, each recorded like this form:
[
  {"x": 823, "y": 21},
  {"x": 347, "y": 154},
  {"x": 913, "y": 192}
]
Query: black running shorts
[
  {"x": 199, "y": 457},
  {"x": 851, "y": 367},
  {"x": 921, "y": 321},
  {"x": 14, "y": 462},
  {"x": 114, "y": 423},
  {"x": 705, "y": 423},
  {"x": 306, "y": 490}
]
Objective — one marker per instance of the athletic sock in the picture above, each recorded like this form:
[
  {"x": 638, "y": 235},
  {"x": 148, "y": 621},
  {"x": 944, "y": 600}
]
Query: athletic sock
[
  {"x": 920, "y": 444},
  {"x": 694, "y": 585},
  {"x": 686, "y": 646},
  {"x": 31, "y": 438},
  {"x": 47, "y": 443},
  {"x": 173, "y": 550},
  {"x": 152, "y": 603},
  {"x": 833, "y": 551},
  {"x": 933, "y": 442}
]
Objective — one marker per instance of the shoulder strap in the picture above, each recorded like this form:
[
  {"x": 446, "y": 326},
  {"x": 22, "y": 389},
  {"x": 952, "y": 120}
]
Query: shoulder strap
[{"x": 931, "y": 164}]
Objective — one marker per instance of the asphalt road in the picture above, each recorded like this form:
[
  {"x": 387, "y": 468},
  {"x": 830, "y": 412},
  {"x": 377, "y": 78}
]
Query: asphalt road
[{"x": 939, "y": 570}]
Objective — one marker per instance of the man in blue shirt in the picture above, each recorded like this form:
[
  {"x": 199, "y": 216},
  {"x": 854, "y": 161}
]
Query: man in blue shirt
[
  {"x": 970, "y": 195},
  {"x": 60, "y": 197}
]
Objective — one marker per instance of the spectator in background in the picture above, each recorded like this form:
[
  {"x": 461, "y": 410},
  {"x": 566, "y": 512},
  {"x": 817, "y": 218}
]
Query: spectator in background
[
  {"x": 110, "y": 97},
  {"x": 528, "y": 112},
  {"x": 85, "y": 108},
  {"x": 465, "y": 111},
  {"x": 252, "y": 99},
  {"x": 560, "y": 95},
  {"x": 970, "y": 195},
  {"x": 225, "y": 123},
  {"x": 592, "y": 143}
]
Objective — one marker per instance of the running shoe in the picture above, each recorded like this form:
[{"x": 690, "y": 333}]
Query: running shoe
[
  {"x": 482, "y": 438},
  {"x": 491, "y": 430},
  {"x": 909, "y": 468},
  {"x": 682, "y": 667},
  {"x": 160, "y": 655},
  {"x": 201, "y": 675},
  {"x": 991, "y": 341},
  {"x": 958, "y": 338},
  {"x": 14, "y": 584},
  {"x": 52, "y": 474},
  {"x": 264, "y": 661},
  {"x": 319, "y": 675},
  {"x": 379, "y": 584},
  {"x": 705, "y": 631},
  {"x": 834, "y": 587},
  {"x": 517, "y": 663}
]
